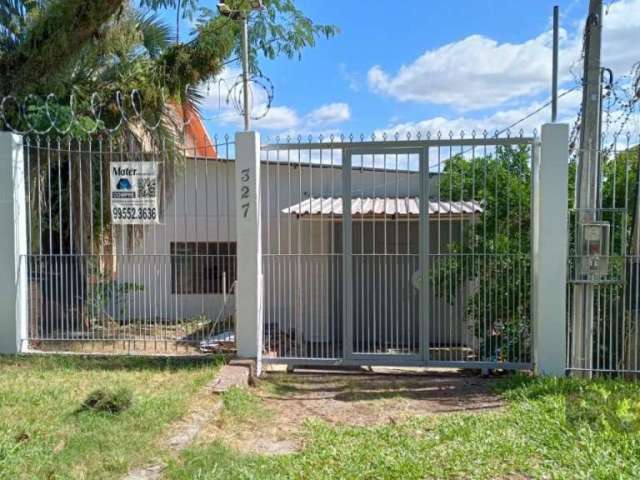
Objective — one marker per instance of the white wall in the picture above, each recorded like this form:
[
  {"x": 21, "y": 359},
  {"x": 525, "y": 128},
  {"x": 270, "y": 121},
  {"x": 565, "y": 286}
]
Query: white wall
[{"x": 302, "y": 292}]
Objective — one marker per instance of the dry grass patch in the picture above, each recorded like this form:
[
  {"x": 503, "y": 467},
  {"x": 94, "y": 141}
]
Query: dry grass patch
[{"x": 270, "y": 419}]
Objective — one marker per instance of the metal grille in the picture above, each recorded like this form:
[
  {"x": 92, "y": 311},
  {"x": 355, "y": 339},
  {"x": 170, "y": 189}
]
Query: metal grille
[
  {"x": 96, "y": 285},
  {"x": 357, "y": 272},
  {"x": 302, "y": 264},
  {"x": 603, "y": 285}
]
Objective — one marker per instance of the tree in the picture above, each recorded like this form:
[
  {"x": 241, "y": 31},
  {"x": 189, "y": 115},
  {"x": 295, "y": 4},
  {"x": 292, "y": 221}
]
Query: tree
[
  {"x": 75, "y": 49},
  {"x": 70, "y": 48},
  {"x": 38, "y": 40},
  {"x": 493, "y": 254},
  {"x": 81, "y": 47},
  {"x": 498, "y": 305}
]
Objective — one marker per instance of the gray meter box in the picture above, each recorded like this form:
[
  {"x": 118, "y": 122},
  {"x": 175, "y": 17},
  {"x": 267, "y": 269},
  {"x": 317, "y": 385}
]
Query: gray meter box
[{"x": 594, "y": 252}]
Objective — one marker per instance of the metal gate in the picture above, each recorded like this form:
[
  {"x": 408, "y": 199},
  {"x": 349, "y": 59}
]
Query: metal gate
[
  {"x": 603, "y": 288},
  {"x": 390, "y": 251},
  {"x": 107, "y": 279}
]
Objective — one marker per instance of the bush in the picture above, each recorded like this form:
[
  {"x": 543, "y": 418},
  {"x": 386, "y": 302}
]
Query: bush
[{"x": 109, "y": 401}]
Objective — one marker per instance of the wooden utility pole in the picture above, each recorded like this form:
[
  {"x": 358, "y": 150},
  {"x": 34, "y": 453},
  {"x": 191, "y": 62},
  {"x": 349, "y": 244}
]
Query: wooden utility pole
[{"x": 587, "y": 184}]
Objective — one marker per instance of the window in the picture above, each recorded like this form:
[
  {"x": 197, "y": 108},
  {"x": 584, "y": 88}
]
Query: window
[{"x": 201, "y": 267}]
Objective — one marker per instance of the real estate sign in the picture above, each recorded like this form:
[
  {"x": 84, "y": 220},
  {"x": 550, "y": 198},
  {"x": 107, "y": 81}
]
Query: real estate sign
[{"x": 134, "y": 193}]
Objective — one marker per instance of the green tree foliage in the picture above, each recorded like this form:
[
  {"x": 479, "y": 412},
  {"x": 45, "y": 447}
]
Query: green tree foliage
[
  {"x": 84, "y": 47},
  {"x": 493, "y": 253},
  {"x": 71, "y": 49},
  {"x": 41, "y": 39},
  {"x": 499, "y": 270},
  {"x": 616, "y": 303}
]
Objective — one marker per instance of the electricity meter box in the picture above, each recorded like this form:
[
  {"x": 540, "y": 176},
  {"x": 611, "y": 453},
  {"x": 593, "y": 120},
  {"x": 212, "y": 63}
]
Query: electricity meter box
[{"x": 594, "y": 252}]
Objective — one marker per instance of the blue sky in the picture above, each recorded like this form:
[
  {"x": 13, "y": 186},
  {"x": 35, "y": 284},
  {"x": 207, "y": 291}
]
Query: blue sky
[{"x": 417, "y": 65}]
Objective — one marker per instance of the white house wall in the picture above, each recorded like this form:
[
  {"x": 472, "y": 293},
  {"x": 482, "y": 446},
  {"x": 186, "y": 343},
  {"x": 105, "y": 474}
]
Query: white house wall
[{"x": 202, "y": 209}]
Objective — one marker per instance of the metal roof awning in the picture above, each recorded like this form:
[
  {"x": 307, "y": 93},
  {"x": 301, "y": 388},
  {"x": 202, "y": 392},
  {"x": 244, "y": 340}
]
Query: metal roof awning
[{"x": 381, "y": 206}]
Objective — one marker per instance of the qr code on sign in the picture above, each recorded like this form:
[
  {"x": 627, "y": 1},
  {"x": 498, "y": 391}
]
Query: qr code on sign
[{"x": 146, "y": 187}]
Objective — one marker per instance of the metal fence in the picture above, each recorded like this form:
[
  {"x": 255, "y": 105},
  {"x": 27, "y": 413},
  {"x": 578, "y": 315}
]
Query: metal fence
[
  {"x": 163, "y": 284},
  {"x": 407, "y": 251},
  {"x": 356, "y": 271},
  {"x": 603, "y": 285}
]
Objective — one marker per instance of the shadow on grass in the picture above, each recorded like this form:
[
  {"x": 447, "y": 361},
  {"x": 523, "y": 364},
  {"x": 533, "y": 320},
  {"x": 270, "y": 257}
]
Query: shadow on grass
[
  {"x": 106, "y": 363},
  {"x": 446, "y": 391}
]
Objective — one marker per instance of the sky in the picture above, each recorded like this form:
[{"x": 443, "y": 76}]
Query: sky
[{"x": 425, "y": 66}]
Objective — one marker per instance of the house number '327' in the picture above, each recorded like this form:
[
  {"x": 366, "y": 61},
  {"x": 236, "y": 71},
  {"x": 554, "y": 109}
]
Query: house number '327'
[{"x": 245, "y": 191}]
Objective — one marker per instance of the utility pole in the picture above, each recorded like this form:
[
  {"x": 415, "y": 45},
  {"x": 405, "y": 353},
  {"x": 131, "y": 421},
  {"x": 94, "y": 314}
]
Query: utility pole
[
  {"x": 242, "y": 15},
  {"x": 554, "y": 70},
  {"x": 587, "y": 198},
  {"x": 245, "y": 72}
]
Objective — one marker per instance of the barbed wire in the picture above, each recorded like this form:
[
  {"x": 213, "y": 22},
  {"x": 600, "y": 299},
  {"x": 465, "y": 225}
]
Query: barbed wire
[
  {"x": 620, "y": 105},
  {"x": 44, "y": 115}
]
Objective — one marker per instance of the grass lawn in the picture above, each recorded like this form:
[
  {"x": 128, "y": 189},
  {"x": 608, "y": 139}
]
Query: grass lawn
[
  {"x": 548, "y": 429},
  {"x": 44, "y": 434}
]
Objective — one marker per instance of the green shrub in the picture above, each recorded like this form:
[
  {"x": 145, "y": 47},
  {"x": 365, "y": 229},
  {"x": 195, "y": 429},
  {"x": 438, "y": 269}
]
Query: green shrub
[{"x": 109, "y": 401}]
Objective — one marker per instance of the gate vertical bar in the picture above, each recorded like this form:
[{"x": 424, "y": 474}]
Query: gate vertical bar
[
  {"x": 347, "y": 257},
  {"x": 423, "y": 252},
  {"x": 249, "y": 246},
  {"x": 13, "y": 244}
]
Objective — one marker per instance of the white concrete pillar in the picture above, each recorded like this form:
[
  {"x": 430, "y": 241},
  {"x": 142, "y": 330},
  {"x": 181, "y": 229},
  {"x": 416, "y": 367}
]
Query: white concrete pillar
[
  {"x": 550, "y": 241},
  {"x": 248, "y": 213},
  {"x": 13, "y": 244}
]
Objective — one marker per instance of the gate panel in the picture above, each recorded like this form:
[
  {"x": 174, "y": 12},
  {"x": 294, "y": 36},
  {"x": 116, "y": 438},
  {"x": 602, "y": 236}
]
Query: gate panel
[
  {"x": 101, "y": 285},
  {"x": 372, "y": 259},
  {"x": 302, "y": 259},
  {"x": 385, "y": 228},
  {"x": 479, "y": 257}
]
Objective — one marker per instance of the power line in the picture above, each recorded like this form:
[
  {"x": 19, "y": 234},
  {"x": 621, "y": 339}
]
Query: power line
[
  {"x": 538, "y": 110},
  {"x": 529, "y": 115}
]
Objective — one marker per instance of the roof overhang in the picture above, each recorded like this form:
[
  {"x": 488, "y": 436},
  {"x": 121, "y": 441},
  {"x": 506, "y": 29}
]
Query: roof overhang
[{"x": 383, "y": 207}]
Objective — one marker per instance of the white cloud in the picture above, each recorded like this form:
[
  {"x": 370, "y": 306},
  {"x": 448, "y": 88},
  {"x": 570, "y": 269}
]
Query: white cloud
[
  {"x": 567, "y": 107},
  {"x": 218, "y": 107},
  {"x": 278, "y": 118},
  {"x": 477, "y": 72},
  {"x": 621, "y": 36},
  {"x": 329, "y": 114}
]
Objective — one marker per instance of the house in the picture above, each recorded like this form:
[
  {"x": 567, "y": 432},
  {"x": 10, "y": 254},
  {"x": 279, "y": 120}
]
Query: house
[{"x": 186, "y": 264}]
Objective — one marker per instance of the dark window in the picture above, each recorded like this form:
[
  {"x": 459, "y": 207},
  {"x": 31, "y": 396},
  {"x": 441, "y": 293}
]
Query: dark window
[{"x": 201, "y": 267}]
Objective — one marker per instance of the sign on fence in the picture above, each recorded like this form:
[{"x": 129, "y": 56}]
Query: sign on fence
[{"x": 134, "y": 192}]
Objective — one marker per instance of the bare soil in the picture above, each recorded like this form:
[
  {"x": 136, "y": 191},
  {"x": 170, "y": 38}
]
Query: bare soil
[{"x": 287, "y": 400}]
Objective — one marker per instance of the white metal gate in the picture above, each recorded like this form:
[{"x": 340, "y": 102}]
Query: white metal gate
[
  {"x": 356, "y": 271},
  {"x": 109, "y": 279}
]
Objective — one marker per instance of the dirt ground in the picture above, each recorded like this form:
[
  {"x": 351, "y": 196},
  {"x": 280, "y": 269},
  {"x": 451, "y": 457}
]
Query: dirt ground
[{"x": 287, "y": 400}]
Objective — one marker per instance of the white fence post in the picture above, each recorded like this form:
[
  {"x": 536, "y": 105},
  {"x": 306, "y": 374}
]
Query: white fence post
[
  {"x": 249, "y": 251},
  {"x": 13, "y": 244},
  {"x": 550, "y": 241}
]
